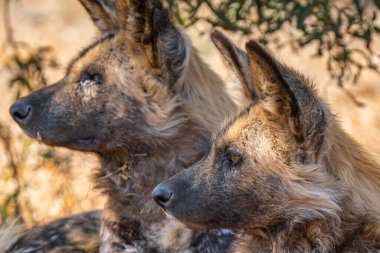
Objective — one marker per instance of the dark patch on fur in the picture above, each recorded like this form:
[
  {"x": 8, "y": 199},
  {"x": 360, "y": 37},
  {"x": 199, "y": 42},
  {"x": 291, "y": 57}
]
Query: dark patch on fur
[
  {"x": 87, "y": 49},
  {"x": 137, "y": 148},
  {"x": 253, "y": 46},
  {"x": 238, "y": 57},
  {"x": 282, "y": 196},
  {"x": 56, "y": 235}
]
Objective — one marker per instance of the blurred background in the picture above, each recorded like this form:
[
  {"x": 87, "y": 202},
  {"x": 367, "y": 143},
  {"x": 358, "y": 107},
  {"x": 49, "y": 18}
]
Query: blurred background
[{"x": 335, "y": 43}]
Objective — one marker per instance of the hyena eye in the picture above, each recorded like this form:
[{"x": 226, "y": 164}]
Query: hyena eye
[
  {"x": 88, "y": 79},
  {"x": 231, "y": 161},
  {"x": 235, "y": 159}
]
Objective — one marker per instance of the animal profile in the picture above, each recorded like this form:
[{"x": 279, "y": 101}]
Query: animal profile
[
  {"x": 282, "y": 171},
  {"x": 141, "y": 98}
]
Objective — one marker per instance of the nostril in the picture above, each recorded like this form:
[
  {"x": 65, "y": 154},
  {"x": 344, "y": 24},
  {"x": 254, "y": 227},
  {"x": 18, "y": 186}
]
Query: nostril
[
  {"x": 23, "y": 114},
  {"x": 162, "y": 195},
  {"x": 164, "y": 199},
  {"x": 20, "y": 111}
]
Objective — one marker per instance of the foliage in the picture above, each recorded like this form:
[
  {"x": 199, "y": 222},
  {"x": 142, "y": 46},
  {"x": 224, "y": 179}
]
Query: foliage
[
  {"x": 27, "y": 66},
  {"x": 332, "y": 26}
]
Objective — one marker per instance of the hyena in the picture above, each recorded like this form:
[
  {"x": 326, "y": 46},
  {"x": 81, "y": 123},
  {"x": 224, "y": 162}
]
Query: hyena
[
  {"x": 77, "y": 233},
  {"x": 140, "y": 98},
  {"x": 283, "y": 172}
]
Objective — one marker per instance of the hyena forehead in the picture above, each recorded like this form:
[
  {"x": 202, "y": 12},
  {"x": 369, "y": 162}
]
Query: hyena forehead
[
  {"x": 252, "y": 131},
  {"x": 110, "y": 54}
]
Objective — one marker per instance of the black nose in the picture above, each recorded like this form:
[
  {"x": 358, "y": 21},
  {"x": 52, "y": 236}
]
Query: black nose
[
  {"x": 162, "y": 194},
  {"x": 21, "y": 111}
]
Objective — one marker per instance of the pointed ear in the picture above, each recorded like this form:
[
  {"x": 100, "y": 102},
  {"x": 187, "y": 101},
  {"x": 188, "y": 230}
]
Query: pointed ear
[
  {"x": 171, "y": 48},
  {"x": 237, "y": 59},
  {"x": 123, "y": 12},
  {"x": 272, "y": 88},
  {"x": 149, "y": 25},
  {"x": 102, "y": 13}
]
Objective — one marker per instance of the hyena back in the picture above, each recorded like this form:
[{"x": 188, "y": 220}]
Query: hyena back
[
  {"x": 77, "y": 233},
  {"x": 283, "y": 172},
  {"x": 142, "y": 99}
]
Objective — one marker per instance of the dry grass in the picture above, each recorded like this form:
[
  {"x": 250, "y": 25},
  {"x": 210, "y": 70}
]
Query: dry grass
[{"x": 58, "y": 186}]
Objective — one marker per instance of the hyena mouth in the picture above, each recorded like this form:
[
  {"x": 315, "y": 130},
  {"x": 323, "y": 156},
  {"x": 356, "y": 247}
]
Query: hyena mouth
[
  {"x": 87, "y": 141},
  {"x": 187, "y": 221},
  {"x": 82, "y": 143}
]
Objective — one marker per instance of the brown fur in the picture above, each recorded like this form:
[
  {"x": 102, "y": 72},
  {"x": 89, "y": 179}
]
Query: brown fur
[
  {"x": 142, "y": 99},
  {"x": 283, "y": 171},
  {"x": 77, "y": 233},
  {"x": 9, "y": 233}
]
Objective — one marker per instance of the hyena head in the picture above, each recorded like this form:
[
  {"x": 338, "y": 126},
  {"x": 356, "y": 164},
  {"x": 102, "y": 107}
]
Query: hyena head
[
  {"x": 260, "y": 172},
  {"x": 118, "y": 89}
]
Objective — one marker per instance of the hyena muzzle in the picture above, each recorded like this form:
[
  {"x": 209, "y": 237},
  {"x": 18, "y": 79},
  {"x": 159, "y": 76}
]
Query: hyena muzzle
[
  {"x": 142, "y": 100},
  {"x": 282, "y": 171}
]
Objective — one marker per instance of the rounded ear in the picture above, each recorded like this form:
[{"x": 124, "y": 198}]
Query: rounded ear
[
  {"x": 103, "y": 14},
  {"x": 237, "y": 59}
]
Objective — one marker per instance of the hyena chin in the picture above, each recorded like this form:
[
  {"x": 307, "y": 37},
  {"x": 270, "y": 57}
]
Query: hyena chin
[
  {"x": 282, "y": 172},
  {"x": 142, "y": 99}
]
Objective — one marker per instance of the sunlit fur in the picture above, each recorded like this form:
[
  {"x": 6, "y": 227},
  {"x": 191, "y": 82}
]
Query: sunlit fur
[
  {"x": 9, "y": 233},
  {"x": 299, "y": 184},
  {"x": 148, "y": 114},
  {"x": 77, "y": 233}
]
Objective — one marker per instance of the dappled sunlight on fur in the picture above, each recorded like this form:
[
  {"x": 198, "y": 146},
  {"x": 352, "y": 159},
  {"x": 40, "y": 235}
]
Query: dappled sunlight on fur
[
  {"x": 141, "y": 99},
  {"x": 9, "y": 233},
  {"x": 282, "y": 172}
]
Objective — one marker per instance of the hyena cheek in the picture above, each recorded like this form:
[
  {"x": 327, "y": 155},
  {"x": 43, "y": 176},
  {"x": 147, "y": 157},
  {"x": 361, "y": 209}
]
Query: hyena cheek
[{"x": 88, "y": 93}]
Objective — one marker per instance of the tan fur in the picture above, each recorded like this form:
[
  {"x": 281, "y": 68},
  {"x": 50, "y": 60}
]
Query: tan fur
[
  {"x": 354, "y": 166},
  {"x": 282, "y": 171},
  {"x": 341, "y": 185},
  {"x": 143, "y": 100},
  {"x": 9, "y": 233},
  {"x": 77, "y": 233}
]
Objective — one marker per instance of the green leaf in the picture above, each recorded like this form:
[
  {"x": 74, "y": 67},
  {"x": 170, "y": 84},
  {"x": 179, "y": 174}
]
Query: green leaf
[
  {"x": 358, "y": 8},
  {"x": 48, "y": 154},
  {"x": 367, "y": 35},
  {"x": 304, "y": 12},
  {"x": 232, "y": 11},
  {"x": 377, "y": 3}
]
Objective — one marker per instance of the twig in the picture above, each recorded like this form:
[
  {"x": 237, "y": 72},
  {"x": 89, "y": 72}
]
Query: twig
[{"x": 8, "y": 22}]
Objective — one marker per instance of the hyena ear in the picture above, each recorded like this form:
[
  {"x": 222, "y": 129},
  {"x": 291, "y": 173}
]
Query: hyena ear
[
  {"x": 272, "y": 88},
  {"x": 149, "y": 24},
  {"x": 171, "y": 48},
  {"x": 237, "y": 59},
  {"x": 102, "y": 13}
]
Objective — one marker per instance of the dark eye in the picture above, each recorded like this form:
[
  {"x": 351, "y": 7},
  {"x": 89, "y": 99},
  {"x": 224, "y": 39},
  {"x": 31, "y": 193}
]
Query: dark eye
[
  {"x": 88, "y": 79},
  {"x": 231, "y": 161}
]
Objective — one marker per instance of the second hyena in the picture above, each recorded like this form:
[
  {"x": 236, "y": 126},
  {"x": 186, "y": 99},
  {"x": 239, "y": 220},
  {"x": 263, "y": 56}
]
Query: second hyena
[
  {"x": 142, "y": 99},
  {"x": 283, "y": 171}
]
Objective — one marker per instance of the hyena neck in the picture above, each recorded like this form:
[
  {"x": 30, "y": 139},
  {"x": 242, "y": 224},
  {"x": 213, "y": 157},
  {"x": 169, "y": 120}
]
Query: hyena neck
[
  {"x": 350, "y": 224},
  {"x": 344, "y": 232},
  {"x": 355, "y": 168},
  {"x": 205, "y": 93},
  {"x": 128, "y": 178},
  {"x": 206, "y": 105}
]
